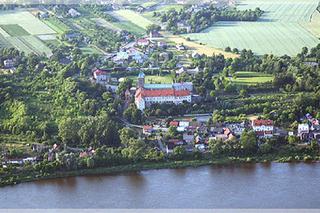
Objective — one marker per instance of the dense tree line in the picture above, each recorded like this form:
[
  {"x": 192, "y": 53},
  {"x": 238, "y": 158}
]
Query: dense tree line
[{"x": 204, "y": 18}]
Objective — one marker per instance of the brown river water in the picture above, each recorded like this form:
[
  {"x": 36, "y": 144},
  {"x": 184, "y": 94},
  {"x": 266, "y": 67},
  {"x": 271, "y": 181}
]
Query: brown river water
[{"x": 234, "y": 186}]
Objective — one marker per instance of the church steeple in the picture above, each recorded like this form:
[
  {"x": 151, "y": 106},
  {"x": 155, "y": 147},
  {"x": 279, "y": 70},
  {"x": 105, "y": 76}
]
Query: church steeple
[{"x": 140, "y": 83}]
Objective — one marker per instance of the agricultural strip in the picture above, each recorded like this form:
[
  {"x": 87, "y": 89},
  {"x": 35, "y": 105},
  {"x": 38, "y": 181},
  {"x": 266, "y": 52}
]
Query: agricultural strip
[
  {"x": 14, "y": 30},
  {"x": 56, "y": 25},
  {"x": 29, "y": 44}
]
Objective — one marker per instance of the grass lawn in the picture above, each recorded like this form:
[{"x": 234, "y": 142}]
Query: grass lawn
[
  {"x": 90, "y": 50},
  {"x": 167, "y": 79},
  {"x": 281, "y": 30},
  {"x": 251, "y": 78},
  {"x": 14, "y": 30}
]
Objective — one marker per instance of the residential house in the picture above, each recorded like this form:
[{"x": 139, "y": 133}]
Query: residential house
[
  {"x": 148, "y": 130},
  {"x": 225, "y": 135},
  {"x": 303, "y": 131},
  {"x": 237, "y": 128},
  {"x": 8, "y": 63},
  {"x": 162, "y": 44},
  {"x": 121, "y": 57},
  {"x": 143, "y": 42},
  {"x": 73, "y": 13},
  {"x": 154, "y": 34},
  {"x": 174, "y": 123},
  {"x": 263, "y": 128},
  {"x": 181, "y": 47},
  {"x": 101, "y": 76},
  {"x": 172, "y": 143}
]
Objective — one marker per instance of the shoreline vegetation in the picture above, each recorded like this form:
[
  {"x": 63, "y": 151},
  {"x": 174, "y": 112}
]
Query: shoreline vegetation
[{"x": 144, "y": 166}]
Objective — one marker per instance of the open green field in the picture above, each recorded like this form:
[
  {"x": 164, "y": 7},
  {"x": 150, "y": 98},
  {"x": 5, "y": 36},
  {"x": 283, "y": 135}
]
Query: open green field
[
  {"x": 281, "y": 30},
  {"x": 251, "y": 78},
  {"x": 133, "y": 17},
  {"x": 90, "y": 50}
]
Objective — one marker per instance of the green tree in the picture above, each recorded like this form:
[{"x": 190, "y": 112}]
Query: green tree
[{"x": 248, "y": 142}]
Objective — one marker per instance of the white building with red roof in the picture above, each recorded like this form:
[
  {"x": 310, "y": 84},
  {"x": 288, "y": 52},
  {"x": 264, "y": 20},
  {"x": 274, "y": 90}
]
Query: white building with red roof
[
  {"x": 263, "y": 128},
  {"x": 143, "y": 42},
  {"x": 148, "y": 94},
  {"x": 145, "y": 98},
  {"x": 101, "y": 75}
]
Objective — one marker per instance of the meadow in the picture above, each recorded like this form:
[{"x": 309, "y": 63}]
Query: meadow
[
  {"x": 20, "y": 29},
  {"x": 251, "y": 78},
  {"x": 284, "y": 28}
]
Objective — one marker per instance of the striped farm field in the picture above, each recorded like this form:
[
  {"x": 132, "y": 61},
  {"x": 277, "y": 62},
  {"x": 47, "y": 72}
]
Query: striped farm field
[
  {"x": 26, "y": 20},
  {"x": 29, "y": 44},
  {"x": 20, "y": 29},
  {"x": 284, "y": 28}
]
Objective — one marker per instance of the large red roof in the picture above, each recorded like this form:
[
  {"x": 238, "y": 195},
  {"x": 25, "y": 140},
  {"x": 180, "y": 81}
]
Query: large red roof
[
  {"x": 262, "y": 123},
  {"x": 161, "y": 93}
]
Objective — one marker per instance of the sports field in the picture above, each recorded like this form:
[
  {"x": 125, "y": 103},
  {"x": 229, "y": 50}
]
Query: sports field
[
  {"x": 251, "y": 78},
  {"x": 284, "y": 28},
  {"x": 20, "y": 29}
]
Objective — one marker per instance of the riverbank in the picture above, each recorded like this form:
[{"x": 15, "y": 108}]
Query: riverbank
[{"x": 137, "y": 167}]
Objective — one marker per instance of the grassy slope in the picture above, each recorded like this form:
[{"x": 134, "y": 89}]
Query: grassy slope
[{"x": 280, "y": 30}]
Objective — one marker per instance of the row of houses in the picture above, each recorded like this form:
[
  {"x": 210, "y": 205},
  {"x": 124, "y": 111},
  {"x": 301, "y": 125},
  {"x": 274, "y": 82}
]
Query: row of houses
[{"x": 198, "y": 134}]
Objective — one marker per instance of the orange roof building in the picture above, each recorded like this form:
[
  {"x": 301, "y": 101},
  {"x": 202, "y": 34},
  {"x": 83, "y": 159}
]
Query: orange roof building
[{"x": 145, "y": 98}]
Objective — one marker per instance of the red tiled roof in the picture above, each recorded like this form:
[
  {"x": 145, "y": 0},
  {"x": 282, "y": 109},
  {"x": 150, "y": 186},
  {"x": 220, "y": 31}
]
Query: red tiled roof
[
  {"x": 143, "y": 40},
  {"x": 146, "y": 127},
  {"x": 100, "y": 72},
  {"x": 161, "y": 93},
  {"x": 174, "y": 123},
  {"x": 262, "y": 123}
]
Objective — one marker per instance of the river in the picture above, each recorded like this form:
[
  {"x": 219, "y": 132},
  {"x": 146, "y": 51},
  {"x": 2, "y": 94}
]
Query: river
[{"x": 234, "y": 186}]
